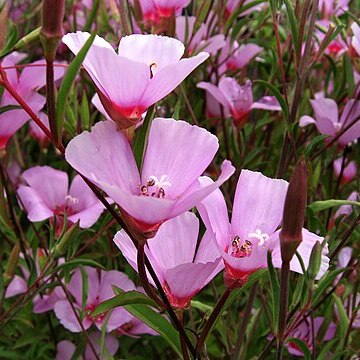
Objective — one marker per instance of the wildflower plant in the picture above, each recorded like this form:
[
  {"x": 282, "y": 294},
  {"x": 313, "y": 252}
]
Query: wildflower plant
[{"x": 179, "y": 179}]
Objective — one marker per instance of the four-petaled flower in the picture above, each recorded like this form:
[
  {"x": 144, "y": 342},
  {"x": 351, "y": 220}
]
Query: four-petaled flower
[
  {"x": 146, "y": 69},
  {"x": 177, "y": 154}
]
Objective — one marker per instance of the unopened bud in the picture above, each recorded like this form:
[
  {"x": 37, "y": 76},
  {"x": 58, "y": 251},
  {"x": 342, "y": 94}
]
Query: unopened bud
[
  {"x": 294, "y": 212},
  {"x": 28, "y": 39},
  {"x": 51, "y": 30},
  {"x": 11, "y": 264},
  {"x": 65, "y": 241},
  {"x": 314, "y": 261}
]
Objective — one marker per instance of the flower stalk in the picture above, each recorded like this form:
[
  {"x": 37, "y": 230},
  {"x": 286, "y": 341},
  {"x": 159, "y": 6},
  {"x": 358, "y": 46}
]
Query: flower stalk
[{"x": 290, "y": 239}]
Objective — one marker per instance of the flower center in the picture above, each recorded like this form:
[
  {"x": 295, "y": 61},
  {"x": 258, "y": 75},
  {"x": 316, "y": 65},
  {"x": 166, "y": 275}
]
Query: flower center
[
  {"x": 241, "y": 249},
  {"x": 155, "y": 187}
]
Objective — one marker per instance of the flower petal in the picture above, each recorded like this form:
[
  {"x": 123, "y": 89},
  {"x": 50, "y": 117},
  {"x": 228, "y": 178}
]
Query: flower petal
[
  {"x": 104, "y": 156},
  {"x": 216, "y": 93},
  {"x": 168, "y": 78},
  {"x": 50, "y": 184},
  {"x": 196, "y": 193},
  {"x": 151, "y": 49},
  {"x": 178, "y": 150},
  {"x": 258, "y": 204},
  {"x": 304, "y": 249},
  {"x": 67, "y": 318}
]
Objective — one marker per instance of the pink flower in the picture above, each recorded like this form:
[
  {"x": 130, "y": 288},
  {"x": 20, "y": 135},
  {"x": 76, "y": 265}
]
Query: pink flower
[
  {"x": 303, "y": 332},
  {"x": 347, "y": 209},
  {"x": 66, "y": 349},
  {"x": 333, "y": 7},
  {"x": 235, "y": 56},
  {"x": 182, "y": 270},
  {"x": 238, "y": 99},
  {"x": 147, "y": 68},
  {"x": 336, "y": 48},
  {"x": 99, "y": 289},
  {"x": 31, "y": 79},
  {"x": 355, "y": 42},
  {"x": 327, "y": 119},
  {"x": 349, "y": 171},
  {"x": 232, "y": 5},
  {"x": 37, "y": 133},
  {"x": 46, "y": 194},
  {"x": 156, "y": 10},
  {"x": 254, "y": 228},
  {"x": 176, "y": 155},
  {"x": 48, "y": 298},
  {"x": 199, "y": 40}
]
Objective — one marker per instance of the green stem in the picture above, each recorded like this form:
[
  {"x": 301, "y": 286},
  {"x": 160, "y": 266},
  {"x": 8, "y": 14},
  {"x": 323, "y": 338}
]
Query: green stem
[
  {"x": 283, "y": 306},
  {"x": 211, "y": 321}
]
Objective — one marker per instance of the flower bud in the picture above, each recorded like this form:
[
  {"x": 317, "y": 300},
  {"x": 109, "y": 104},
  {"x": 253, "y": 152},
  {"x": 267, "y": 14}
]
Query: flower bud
[
  {"x": 294, "y": 212},
  {"x": 51, "y": 30},
  {"x": 11, "y": 264},
  {"x": 65, "y": 241},
  {"x": 315, "y": 261}
]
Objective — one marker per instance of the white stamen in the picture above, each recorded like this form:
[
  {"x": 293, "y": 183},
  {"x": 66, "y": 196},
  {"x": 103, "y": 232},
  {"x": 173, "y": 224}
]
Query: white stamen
[
  {"x": 262, "y": 237},
  {"x": 71, "y": 200},
  {"x": 337, "y": 127},
  {"x": 160, "y": 183}
]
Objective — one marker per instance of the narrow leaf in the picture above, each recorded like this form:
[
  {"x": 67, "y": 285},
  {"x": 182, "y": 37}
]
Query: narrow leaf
[{"x": 68, "y": 80}]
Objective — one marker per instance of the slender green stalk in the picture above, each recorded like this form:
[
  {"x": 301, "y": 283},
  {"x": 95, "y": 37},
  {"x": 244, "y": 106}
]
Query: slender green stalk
[
  {"x": 283, "y": 306},
  {"x": 211, "y": 321}
]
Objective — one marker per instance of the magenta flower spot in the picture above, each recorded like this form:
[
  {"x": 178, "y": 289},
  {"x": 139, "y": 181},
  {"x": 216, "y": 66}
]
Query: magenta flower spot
[
  {"x": 182, "y": 270},
  {"x": 327, "y": 121},
  {"x": 145, "y": 70},
  {"x": 46, "y": 194},
  {"x": 254, "y": 228},
  {"x": 167, "y": 185}
]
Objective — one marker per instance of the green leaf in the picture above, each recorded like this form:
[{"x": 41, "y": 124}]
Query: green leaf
[
  {"x": 202, "y": 13},
  {"x": 140, "y": 140},
  {"x": 326, "y": 204},
  {"x": 69, "y": 265},
  {"x": 124, "y": 298},
  {"x": 11, "y": 40},
  {"x": 253, "y": 278},
  {"x": 240, "y": 10},
  {"x": 293, "y": 26},
  {"x": 85, "y": 113},
  {"x": 343, "y": 319},
  {"x": 274, "y": 91},
  {"x": 28, "y": 39},
  {"x": 324, "y": 283},
  {"x": 158, "y": 323},
  {"x": 201, "y": 306},
  {"x": 68, "y": 80},
  {"x": 275, "y": 290},
  {"x": 92, "y": 16}
]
